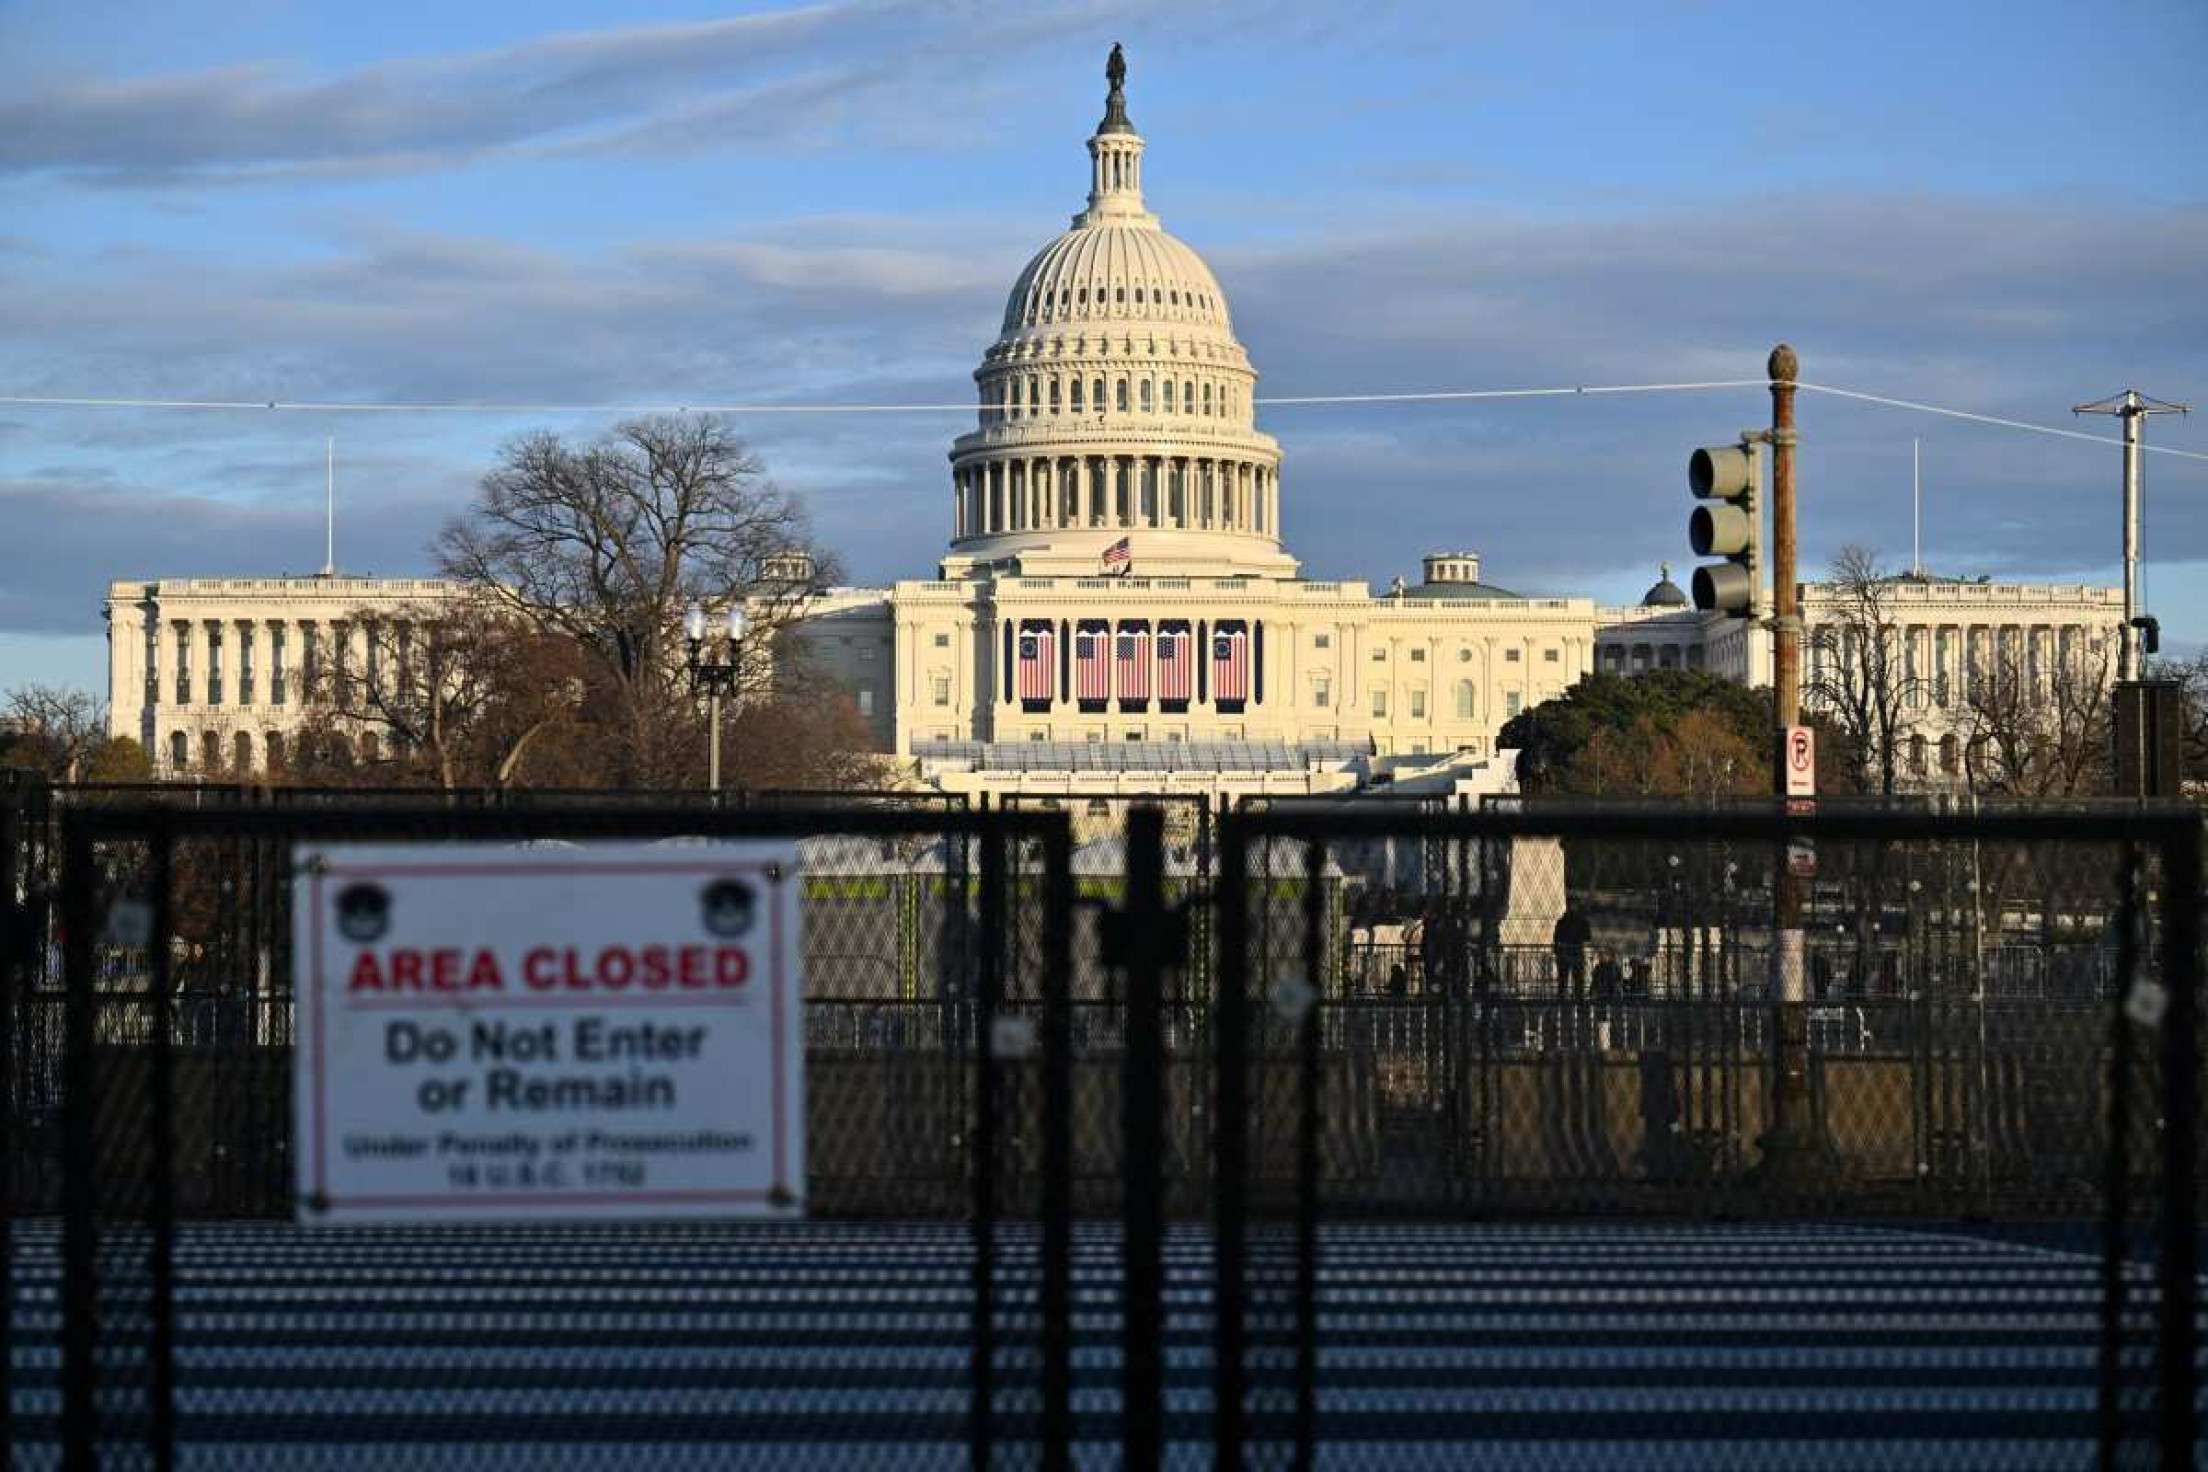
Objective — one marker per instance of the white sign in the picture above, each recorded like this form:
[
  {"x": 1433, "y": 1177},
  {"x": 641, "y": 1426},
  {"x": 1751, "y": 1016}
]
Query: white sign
[
  {"x": 1799, "y": 758},
  {"x": 489, "y": 1031},
  {"x": 1801, "y": 858}
]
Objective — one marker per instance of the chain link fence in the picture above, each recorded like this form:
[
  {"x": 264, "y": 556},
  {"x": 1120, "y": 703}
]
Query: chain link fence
[
  {"x": 1503, "y": 1163},
  {"x": 174, "y": 1308},
  {"x": 1373, "y": 1132}
]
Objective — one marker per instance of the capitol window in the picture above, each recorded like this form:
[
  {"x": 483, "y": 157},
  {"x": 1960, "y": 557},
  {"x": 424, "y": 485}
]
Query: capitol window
[
  {"x": 1464, "y": 700},
  {"x": 1464, "y": 654},
  {"x": 1511, "y": 655},
  {"x": 1418, "y": 656},
  {"x": 942, "y": 641},
  {"x": 1322, "y": 692},
  {"x": 1121, "y": 403},
  {"x": 1147, "y": 404},
  {"x": 1099, "y": 397},
  {"x": 1322, "y": 641},
  {"x": 1207, "y": 400},
  {"x": 1168, "y": 396},
  {"x": 1550, "y": 655},
  {"x": 1418, "y": 704},
  {"x": 1077, "y": 396},
  {"x": 1379, "y": 702},
  {"x": 1054, "y": 405}
]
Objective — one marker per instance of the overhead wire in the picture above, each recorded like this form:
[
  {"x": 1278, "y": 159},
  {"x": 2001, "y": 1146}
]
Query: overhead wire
[
  {"x": 961, "y": 407},
  {"x": 1993, "y": 419},
  {"x": 1425, "y": 396}
]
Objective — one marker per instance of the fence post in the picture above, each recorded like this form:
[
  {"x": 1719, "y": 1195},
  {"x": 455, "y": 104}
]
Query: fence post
[
  {"x": 1316, "y": 956},
  {"x": 1144, "y": 926},
  {"x": 1057, "y": 1286},
  {"x": 159, "y": 1140},
  {"x": 988, "y": 989},
  {"x": 19, "y": 939},
  {"x": 80, "y": 1285},
  {"x": 2116, "y": 1180},
  {"x": 1230, "y": 1147},
  {"x": 2180, "y": 1332}
]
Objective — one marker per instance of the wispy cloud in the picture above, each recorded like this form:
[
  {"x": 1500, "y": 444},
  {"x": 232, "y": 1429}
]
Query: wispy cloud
[
  {"x": 769, "y": 77},
  {"x": 2017, "y": 308}
]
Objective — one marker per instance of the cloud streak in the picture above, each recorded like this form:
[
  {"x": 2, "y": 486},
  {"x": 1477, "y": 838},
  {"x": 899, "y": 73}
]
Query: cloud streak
[
  {"x": 776, "y": 76},
  {"x": 2016, "y": 308}
]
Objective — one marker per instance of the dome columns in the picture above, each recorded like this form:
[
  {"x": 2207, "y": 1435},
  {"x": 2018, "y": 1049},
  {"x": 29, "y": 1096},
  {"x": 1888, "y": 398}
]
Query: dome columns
[{"x": 1115, "y": 491}]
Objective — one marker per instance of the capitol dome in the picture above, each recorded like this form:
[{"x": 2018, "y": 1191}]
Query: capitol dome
[
  {"x": 1111, "y": 271},
  {"x": 1116, "y": 431}
]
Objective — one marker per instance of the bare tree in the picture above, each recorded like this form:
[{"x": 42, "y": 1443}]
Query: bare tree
[
  {"x": 54, "y": 730},
  {"x": 2037, "y": 727},
  {"x": 606, "y": 544},
  {"x": 2191, "y": 676},
  {"x": 453, "y": 693},
  {"x": 1860, "y": 681}
]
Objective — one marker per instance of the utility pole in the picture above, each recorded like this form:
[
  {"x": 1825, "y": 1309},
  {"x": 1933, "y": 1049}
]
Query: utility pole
[
  {"x": 2132, "y": 407},
  {"x": 329, "y": 508},
  {"x": 2148, "y": 714},
  {"x": 1916, "y": 508},
  {"x": 1791, "y": 1150}
]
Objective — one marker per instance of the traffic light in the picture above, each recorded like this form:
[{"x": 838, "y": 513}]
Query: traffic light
[
  {"x": 2150, "y": 633},
  {"x": 1727, "y": 477}
]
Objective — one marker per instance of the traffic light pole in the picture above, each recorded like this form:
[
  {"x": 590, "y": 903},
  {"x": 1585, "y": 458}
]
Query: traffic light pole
[{"x": 1792, "y": 1152}]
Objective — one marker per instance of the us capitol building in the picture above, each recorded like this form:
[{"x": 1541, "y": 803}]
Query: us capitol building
[{"x": 1116, "y": 611}]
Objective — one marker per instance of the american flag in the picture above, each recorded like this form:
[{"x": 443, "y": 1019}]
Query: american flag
[
  {"x": 1092, "y": 665},
  {"x": 1176, "y": 670},
  {"x": 1230, "y": 666},
  {"x": 1038, "y": 664},
  {"x": 1118, "y": 557},
  {"x": 1133, "y": 659}
]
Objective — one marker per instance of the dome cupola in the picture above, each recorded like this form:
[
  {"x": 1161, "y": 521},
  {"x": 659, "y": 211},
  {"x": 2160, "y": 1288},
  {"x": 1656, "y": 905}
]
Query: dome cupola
[{"x": 1665, "y": 593}]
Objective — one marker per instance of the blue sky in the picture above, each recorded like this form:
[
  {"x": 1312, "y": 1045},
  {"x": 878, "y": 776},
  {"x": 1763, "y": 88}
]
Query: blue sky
[{"x": 2001, "y": 207}]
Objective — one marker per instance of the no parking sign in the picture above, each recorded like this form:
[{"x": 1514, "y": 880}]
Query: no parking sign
[
  {"x": 1798, "y": 759},
  {"x": 595, "y": 1030}
]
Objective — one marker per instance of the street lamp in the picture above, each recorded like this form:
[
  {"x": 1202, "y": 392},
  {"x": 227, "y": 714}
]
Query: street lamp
[{"x": 714, "y": 677}]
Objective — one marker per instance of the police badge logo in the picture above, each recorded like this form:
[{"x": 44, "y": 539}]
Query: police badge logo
[
  {"x": 726, "y": 906},
  {"x": 363, "y": 912}
]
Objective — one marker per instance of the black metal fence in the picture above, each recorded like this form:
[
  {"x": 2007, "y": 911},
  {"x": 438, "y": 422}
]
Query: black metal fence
[
  {"x": 1378, "y": 1130},
  {"x": 155, "y": 1114},
  {"x": 1978, "y": 1222}
]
